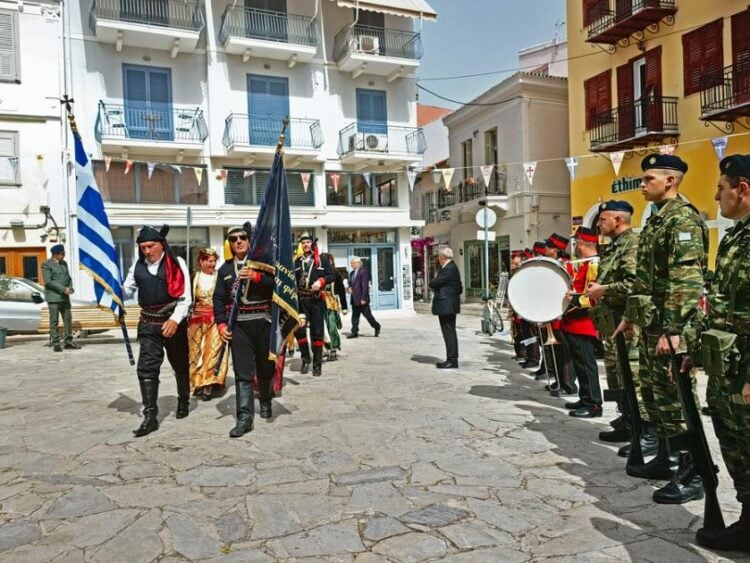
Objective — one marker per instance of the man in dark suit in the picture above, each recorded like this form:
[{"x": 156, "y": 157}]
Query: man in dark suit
[
  {"x": 446, "y": 304},
  {"x": 359, "y": 289},
  {"x": 58, "y": 287}
]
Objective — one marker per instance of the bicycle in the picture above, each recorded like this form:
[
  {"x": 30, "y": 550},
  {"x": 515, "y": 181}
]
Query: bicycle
[{"x": 492, "y": 316}]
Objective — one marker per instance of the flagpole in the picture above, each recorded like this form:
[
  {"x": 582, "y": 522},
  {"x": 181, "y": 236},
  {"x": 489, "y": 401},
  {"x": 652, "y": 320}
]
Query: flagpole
[{"x": 282, "y": 135}]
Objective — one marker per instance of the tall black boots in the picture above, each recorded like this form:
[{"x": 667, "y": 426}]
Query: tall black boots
[
  {"x": 685, "y": 485},
  {"x": 149, "y": 394},
  {"x": 734, "y": 538},
  {"x": 183, "y": 395},
  {"x": 245, "y": 410},
  {"x": 661, "y": 467},
  {"x": 266, "y": 394},
  {"x": 317, "y": 361},
  {"x": 305, "y": 362}
]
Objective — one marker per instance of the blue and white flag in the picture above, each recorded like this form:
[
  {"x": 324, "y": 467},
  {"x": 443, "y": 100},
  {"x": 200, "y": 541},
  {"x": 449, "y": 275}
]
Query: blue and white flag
[{"x": 96, "y": 248}]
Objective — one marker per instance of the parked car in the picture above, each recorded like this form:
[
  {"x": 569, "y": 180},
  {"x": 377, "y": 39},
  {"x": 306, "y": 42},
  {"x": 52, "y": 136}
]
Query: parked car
[{"x": 21, "y": 303}]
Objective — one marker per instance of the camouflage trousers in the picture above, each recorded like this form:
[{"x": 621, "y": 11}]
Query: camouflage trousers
[
  {"x": 612, "y": 368},
  {"x": 659, "y": 394},
  {"x": 731, "y": 419}
]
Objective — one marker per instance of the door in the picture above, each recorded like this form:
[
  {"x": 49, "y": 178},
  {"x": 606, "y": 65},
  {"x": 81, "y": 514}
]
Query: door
[
  {"x": 268, "y": 106},
  {"x": 267, "y": 19},
  {"x": 385, "y": 281},
  {"x": 23, "y": 263},
  {"x": 741, "y": 57},
  {"x": 640, "y": 103},
  {"x": 372, "y": 120},
  {"x": 625, "y": 102},
  {"x": 148, "y": 102},
  {"x": 652, "y": 91}
]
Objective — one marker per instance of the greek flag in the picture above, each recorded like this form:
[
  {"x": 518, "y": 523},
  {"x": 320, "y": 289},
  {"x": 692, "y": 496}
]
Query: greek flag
[{"x": 96, "y": 248}]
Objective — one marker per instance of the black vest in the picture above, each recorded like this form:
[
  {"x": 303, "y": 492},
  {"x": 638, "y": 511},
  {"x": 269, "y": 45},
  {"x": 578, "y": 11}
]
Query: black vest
[{"x": 152, "y": 290}]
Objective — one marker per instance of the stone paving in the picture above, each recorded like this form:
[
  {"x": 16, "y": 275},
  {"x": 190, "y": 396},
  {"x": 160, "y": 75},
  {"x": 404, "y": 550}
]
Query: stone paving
[{"x": 384, "y": 458}]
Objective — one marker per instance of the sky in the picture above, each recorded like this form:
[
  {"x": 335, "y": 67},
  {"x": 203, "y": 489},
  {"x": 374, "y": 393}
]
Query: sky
[{"x": 472, "y": 36}]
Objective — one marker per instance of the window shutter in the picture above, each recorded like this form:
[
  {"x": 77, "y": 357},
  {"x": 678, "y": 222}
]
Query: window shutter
[
  {"x": 713, "y": 54},
  {"x": 625, "y": 98},
  {"x": 8, "y": 150},
  {"x": 653, "y": 71},
  {"x": 8, "y": 47},
  {"x": 741, "y": 57},
  {"x": 598, "y": 93},
  {"x": 703, "y": 57}
]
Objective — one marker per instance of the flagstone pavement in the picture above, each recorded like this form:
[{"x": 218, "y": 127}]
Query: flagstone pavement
[{"x": 383, "y": 458}]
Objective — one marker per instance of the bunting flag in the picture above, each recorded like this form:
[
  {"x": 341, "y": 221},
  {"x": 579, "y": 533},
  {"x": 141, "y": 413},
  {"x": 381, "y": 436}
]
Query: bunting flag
[
  {"x": 367, "y": 177},
  {"x": 248, "y": 173},
  {"x": 13, "y": 160},
  {"x": 305, "y": 177},
  {"x": 40, "y": 161},
  {"x": 572, "y": 163},
  {"x": 447, "y": 176},
  {"x": 150, "y": 166},
  {"x": 128, "y": 166},
  {"x": 667, "y": 149},
  {"x": 487, "y": 171},
  {"x": 616, "y": 159},
  {"x": 107, "y": 163},
  {"x": 198, "y": 174},
  {"x": 411, "y": 177},
  {"x": 720, "y": 146},
  {"x": 530, "y": 169},
  {"x": 335, "y": 179}
]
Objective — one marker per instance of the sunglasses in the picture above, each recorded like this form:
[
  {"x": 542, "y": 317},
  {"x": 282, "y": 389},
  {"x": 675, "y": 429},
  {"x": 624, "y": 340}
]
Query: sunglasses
[{"x": 235, "y": 238}]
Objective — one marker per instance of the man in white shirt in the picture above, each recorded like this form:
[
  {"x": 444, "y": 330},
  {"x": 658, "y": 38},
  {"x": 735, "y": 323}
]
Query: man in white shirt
[{"x": 162, "y": 281}]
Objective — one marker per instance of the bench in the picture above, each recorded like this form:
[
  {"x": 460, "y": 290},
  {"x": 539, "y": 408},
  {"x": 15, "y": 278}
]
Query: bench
[{"x": 91, "y": 318}]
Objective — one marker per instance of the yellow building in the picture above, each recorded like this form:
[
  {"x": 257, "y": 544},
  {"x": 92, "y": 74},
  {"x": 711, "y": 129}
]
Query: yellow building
[{"x": 655, "y": 75}]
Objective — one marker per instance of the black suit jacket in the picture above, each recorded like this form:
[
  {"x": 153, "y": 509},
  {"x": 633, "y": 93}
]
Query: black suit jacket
[{"x": 447, "y": 288}]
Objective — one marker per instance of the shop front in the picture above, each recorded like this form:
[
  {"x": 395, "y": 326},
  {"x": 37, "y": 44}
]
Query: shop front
[{"x": 499, "y": 261}]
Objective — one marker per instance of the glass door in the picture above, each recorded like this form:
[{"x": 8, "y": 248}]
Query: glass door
[{"x": 385, "y": 282}]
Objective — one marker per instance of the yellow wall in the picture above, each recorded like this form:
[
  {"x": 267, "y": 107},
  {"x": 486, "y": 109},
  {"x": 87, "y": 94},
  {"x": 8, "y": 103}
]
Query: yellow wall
[{"x": 595, "y": 174}]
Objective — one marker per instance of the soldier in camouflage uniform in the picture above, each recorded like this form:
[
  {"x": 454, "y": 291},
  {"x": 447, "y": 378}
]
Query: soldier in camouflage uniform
[
  {"x": 729, "y": 310},
  {"x": 617, "y": 271},
  {"x": 672, "y": 251}
]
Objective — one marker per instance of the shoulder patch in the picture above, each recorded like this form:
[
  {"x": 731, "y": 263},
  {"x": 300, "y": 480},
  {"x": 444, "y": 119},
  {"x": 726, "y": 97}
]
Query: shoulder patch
[{"x": 684, "y": 237}]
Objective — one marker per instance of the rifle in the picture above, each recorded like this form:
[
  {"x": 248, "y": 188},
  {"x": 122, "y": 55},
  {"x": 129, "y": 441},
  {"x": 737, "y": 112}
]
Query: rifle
[
  {"x": 236, "y": 288},
  {"x": 694, "y": 440}
]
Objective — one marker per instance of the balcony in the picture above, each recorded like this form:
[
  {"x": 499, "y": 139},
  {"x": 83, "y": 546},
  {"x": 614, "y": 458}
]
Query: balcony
[
  {"x": 256, "y": 137},
  {"x": 615, "y": 20},
  {"x": 270, "y": 35},
  {"x": 168, "y": 25},
  {"x": 155, "y": 129},
  {"x": 649, "y": 119},
  {"x": 726, "y": 97},
  {"x": 364, "y": 143},
  {"x": 374, "y": 50}
]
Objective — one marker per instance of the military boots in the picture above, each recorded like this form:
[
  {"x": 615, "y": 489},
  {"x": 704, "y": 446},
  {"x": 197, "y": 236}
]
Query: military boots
[{"x": 734, "y": 538}]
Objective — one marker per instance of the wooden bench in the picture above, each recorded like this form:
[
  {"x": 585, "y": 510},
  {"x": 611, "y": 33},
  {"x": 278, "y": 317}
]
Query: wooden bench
[{"x": 91, "y": 318}]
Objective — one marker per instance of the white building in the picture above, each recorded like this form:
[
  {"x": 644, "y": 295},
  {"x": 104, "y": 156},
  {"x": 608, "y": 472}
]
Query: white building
[
  {"x": 31, "y": 135},
  {"x": 190, "y": 99},
  {"x": 526, "y": 121}
]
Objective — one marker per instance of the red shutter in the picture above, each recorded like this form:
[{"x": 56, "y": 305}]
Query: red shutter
[
  {"x": 598, "y": 91},
  {"x": 741, "y": 57},
  {"x": 703, "y": 57},
  {"x": 625, "y": 109},
  {"x": 654, "y": 110},
  {"x": 588, "y": 12}
]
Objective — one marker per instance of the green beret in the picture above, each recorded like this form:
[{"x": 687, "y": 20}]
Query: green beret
[
  {"x": 736, "y": 165},
  {"x": 664, "y": 162}
]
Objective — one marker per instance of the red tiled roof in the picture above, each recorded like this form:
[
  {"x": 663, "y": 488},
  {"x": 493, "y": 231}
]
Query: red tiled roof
[{"x": 427, "y": 114}]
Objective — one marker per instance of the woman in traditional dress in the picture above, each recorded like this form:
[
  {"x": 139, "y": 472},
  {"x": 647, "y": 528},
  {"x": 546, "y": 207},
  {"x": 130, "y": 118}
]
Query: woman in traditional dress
[
  {"x": 203, "y": 335},
  {"x": 336, "y": 303}
]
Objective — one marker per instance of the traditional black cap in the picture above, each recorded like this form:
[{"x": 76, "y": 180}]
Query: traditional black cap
[
  {"x": 247, "y": 228},
  {"x": 616, "y": 205},
  {"x": 149, "y": 234},
  {"x": 664, "y": 162},
  {"x": 558, "y": 241},
  {"x": 57, "y": 249},
  {"x": 539, "y": 247},
  {"x": 587, "y": 234},
  {"x": 736, "y": 165},
  {"x": 304, "y": 236}
]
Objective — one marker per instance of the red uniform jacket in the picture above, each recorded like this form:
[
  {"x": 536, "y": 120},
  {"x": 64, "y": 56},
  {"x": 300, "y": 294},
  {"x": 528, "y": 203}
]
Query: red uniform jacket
[{"x": 576, "y": 319}]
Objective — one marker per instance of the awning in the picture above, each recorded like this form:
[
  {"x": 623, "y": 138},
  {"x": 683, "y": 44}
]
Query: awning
[{"x": 407, "y": 8}]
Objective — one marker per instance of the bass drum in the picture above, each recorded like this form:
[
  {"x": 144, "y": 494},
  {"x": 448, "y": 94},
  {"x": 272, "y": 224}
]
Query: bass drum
[{"x": 537, "y": 289}]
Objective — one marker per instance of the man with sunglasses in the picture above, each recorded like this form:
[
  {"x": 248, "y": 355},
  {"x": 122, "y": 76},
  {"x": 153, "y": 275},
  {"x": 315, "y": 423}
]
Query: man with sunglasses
[
  {"x": 248, "y": 336},
  {"x": 313, "y": 274}
]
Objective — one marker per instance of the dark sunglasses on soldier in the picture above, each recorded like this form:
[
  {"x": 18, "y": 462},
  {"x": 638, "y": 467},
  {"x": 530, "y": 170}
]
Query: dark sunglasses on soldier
[{"x": 235, "y": 238}]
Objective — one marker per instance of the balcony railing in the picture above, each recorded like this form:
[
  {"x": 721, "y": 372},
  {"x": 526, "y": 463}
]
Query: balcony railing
[
  {"x": 612, "y": 20},
  {"x": 242, "y": 129},
  {"x": 375, "y": 137},
  {"x": 150, "y": 122},
  {"x": 180, "y": 14},
  {"x": 632, "y": 124},
  {"x": 470, "y": 191},
  {"x": 726, "y": 97},
  {"x": 267, "y": 25},
  {"x": 367, "y": 40}
]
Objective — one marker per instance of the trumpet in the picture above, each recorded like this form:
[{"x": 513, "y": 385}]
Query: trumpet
[{"x": 551, "y": 339}]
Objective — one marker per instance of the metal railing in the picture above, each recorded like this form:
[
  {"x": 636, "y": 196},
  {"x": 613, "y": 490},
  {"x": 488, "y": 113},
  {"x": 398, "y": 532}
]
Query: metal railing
[
  {"x": 153, "y": 122},
  {"x": 243, "y": 129},
  {"x": 606, "y": 14},
  {"x": 369, "y": 40},
  {"x": 652, "y": 114},
  {"x": 281, "y": 27},
  {"x": 725, "y": 91},
  {"x": 379, "y": 137},
  {"x": 469, "y": 191},
  {"x": 180, "y": 14}
]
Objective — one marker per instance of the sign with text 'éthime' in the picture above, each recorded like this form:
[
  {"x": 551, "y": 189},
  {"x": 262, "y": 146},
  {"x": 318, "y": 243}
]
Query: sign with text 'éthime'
[{"x": 627, "y": 184}]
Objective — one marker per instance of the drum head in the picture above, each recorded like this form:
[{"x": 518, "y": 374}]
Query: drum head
[{"x": 536, "y": 291}]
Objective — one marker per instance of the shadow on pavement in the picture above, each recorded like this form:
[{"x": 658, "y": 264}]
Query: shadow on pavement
[{"x": 425, "y": 359}]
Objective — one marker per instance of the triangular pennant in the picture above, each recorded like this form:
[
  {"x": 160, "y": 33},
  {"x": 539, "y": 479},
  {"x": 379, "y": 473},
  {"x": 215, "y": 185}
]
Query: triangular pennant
[
  {"x": 411, "y": 177},
  {"x": 248, "y": 173},
  {"x": 305, "y": 177},
  {"x": 487, "y": 171},
  {"x": 107, "y": 163},
  {"x": 367, "y": 176},
  {"x": 616, "y": 158},
  {"x": 447, "y": 176},
  {"x": 720, "y": 146},
  {"x": 40, "y": 161},
  {"x": 335, "y": 179},
  {"x": 150, "y": 166},
  {"x": 13, "y": 160},
  {"x": 530, "y": 169},
  {"x": 128, "y": 166},
  {"x": 572, "y": 163},
  {"x": 198, "y": 174},
  {"x": 667, "y": 149}
]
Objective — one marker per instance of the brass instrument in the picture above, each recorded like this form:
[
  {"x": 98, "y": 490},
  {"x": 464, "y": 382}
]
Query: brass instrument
[{"x": 551, "y": 338}]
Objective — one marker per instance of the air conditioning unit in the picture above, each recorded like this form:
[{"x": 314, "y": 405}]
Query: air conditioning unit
[
  {"x": 376, "y": 142},
  {"x": 369, "y": 44}
]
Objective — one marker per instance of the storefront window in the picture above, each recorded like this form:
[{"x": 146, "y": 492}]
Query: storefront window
[
  {"x": 474, "y": 261},
  {"x": 361, "y": 190},
  {"x": 361, "y": 236}
]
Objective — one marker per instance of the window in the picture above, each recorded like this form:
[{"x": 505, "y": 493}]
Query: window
[
  {"x": 247, "y": 186},
  {"x": 361, "y": 236},
  {"x": 124, "y": 247},
  {"x": 148, "y": 102},
  {"x": 703, "y": 57},
  {"x": 467, "y": 155},
  {"x": 361, "y": 190},
  {"x": 598, "y": 93},
  {"x": 9, "y": 71},
  {"x": 741, "y": 57},
  {"x": 168, "y": 184},
  {"x": 9, "y": 158}
]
